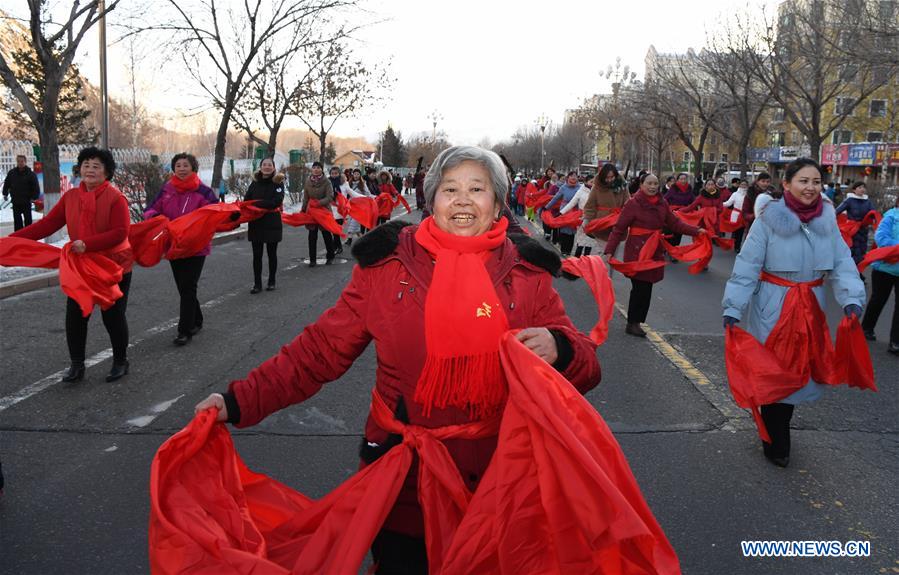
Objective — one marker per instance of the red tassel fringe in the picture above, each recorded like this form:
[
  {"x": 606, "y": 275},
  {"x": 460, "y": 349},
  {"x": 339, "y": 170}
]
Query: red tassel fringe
[{"x": 473, "y": 382}]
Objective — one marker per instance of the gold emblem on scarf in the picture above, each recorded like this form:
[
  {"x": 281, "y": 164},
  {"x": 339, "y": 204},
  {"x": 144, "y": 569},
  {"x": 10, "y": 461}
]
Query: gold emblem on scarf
[{"x": 484, "y": 311}]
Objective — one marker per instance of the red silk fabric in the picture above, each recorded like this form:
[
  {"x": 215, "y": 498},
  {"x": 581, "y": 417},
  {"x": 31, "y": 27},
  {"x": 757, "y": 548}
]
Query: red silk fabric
[
  {"x": 726, "y": 224},
  {"x": 387, "y": 202},
  {"x": 888, "y": 254},
  {"x": 193, "y": 231},
  {"x": 314, "y": 215},
  {"x": 28, "y": 253},
  {"x": 605, "y": 222},
  {"x": 700, "y": 250},
  {"x": 797, "y": 349},
  {"x": 570, "y": 220},
  {"x": 645, "y": 261},
  {"x": 90, "y": 279},
  {"x": 149, "y": 240},
  {"x": 849, "y": 228},
  {"x": 558, "y": 497},
  {"x": 594, "y": 272},
  {"x": 364, "y": 211}
]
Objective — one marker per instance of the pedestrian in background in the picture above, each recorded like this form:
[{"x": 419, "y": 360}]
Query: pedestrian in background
[
  {"x": 680, "y": 195},
  {"x": 735, "y": 201},
  {"x": 641, "y": 216},
  {"x": 97, "y": 219},
  {"x": 565, "y": 194},
  {"x": 318, "y": 188},
  {"x": 794, "y": 244},
  {"x": 386, "y": 197},
  {"x": 884, "y": 278},
  {"x": 583, "y": 244},
  {"x": 607, "y": 194},
  {"x": 267, "y": 190},
  {"x": 21, "y": 184},
  {"x": 759, "y": 187},
  {"x": 708, "y": 199},
  {"x": 182, "y": 194},
  {"x": 857, "y": 205}
]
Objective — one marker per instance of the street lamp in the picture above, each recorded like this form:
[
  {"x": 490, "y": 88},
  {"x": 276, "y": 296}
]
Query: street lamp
[
  {"x": 435, "y": 117},
  {"x": 542, "y": 122}
]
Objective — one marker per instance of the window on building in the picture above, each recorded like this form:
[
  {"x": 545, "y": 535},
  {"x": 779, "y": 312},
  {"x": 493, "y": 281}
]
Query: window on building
[
  {"x": 686, "y": 156},
  {"x": 874, "y": 137},
  {"x": 724, "y": 158},
  {"x": 778, "y": 138},
  {"x": 842, "y": 136},
  {"x": 779, "y": 114},
  {"x": 880, "y": 74},
  {"x": 878, "y": 108},
  {"x": 844, "y": 106},
  {"x": 794, "y": 138},
  {"x": 710, "y": 157},
  {"x": 848, "y": 72}
]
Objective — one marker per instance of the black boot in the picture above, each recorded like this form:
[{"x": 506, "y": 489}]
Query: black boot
[
  {"x": 118, "y": 371},
  {"x": 74, "y": 373},
  {"x": 634, "y": 329}
]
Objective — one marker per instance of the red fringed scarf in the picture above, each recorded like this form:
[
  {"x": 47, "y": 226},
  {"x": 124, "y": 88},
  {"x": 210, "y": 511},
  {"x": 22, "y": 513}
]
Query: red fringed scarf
[
  {"x": 464, "y": 322},
  {"x": 87, "y": 204},
  {"x": 188, "y": 184}
]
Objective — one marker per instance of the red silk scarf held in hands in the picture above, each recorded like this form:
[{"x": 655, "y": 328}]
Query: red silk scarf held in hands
[
  {"x": 849, "y": 228},
  {"x": 594, "y": 272},
  {"x": 464, "y": 321},
  {"x": 364, "y": 211},
  {"x": 191, "y": 232},
  {"x": 797, "y": 349},
  {"x": 570, "y": 220},
  {"x": 558, "y": 497},
  {"x": 149, "y": 240},
  {"x": 889, "y": 254},
  {"x": 88, "y": 278},
  {"x": 731, "y": 220},
  {"x": 605, "y": 222},
  {"x": 314, "y": 215},
  {"x": 646, "y": 258}
]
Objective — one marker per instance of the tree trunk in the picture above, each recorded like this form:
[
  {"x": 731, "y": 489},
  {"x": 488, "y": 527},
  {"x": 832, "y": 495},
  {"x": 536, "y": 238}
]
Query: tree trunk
[
  {"x": 49, "y": 140},
  {"x": 272, "y": 140},
  {"x": 814, "y": 144},
  {"x": 220, "y": 138}
]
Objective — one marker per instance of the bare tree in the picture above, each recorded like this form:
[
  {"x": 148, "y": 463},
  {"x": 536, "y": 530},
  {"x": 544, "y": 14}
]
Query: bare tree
[
  {"x": 339, "y": 86},
  {"x": 607, "y": 113},
  {"x": 818, "y": 62},
  {"x": 55, "y": 45},
  {"x": 220, "y": 44}
]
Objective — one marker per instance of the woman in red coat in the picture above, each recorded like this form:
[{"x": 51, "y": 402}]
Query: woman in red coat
[
  {"x": 640, "y": 217},
  {"x": 451, "y": 286},
  {"x": 710, "y": 202}
]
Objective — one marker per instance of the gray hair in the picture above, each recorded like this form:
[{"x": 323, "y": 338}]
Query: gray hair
[{"x": 452, "y": 157}]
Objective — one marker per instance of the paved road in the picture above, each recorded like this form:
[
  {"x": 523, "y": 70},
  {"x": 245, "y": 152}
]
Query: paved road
[{"x": 77, "y": 457}]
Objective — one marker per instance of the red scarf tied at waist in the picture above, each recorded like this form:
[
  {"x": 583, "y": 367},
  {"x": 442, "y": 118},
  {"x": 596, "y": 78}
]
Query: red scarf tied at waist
[
  {"x": 584, "y": 512},
  {"x": 849, "y": 228},
  {"x": 798, "y": 348},
  {"x": 314, "y": 215},
  {"x": 464, "y": 321},
  {"x": 188, "y": 184}
]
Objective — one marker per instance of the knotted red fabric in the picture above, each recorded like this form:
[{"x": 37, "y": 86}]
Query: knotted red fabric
[
  {"x": 646, "y": 260},
  {"x": 464, "y": 321},
  {"x": 149, "y": 240},
  {"x": 558, "y": 497},
  {"x": 849, "y": 228},
  {"x": 314, "y": 215},
  {"x": 889, "y": 254},
  {"x": 797, "y": 349},
  {"x": 193, "y": 231},
  {"x": 599, "y": 224},
  {"x": 570, "y": 220},
  {"x": 90, "y": 279},
  {"x": 28, "y": 253},
  {"x": 593, "y": 271}
]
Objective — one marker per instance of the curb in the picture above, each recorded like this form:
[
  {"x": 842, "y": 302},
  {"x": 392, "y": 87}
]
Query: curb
[{"x": 40, "y": 281}]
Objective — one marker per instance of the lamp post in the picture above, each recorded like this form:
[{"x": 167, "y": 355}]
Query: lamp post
[
  {"x": 104, "y": 87},
  {"x": 435, "y": 117},
  {"x": 542, "y": 122}
]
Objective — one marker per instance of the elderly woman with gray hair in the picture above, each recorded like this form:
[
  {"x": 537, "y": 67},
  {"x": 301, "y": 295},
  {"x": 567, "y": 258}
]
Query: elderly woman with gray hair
[{"x": 436, "y": 299}]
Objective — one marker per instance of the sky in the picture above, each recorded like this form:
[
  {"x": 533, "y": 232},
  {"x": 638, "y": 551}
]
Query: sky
[{"x": 487, "y": 68}]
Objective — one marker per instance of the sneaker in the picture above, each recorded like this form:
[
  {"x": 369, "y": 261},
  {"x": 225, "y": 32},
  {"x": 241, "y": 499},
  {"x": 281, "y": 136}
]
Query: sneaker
[
  {"x": 869, "y": 335},
  {"x": 894, "y": 348},
  {"x": 270, "y": 287},
  {"x": 256, "y": 289}
]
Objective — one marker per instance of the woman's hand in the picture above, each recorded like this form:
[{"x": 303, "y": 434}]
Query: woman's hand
[
  {"x": 702, "y": 232},
  {"x": 78, "y": 247},
  {"x": 541, "y": 342},
  {"x": 214, "y": 400}
]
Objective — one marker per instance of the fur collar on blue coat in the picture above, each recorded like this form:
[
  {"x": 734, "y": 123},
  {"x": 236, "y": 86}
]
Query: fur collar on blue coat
[{"x": 784, "y": 222}]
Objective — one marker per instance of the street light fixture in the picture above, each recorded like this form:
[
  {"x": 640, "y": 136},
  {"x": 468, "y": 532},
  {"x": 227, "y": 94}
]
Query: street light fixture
[
  {"x": 435, "y": 117},
  {"x": 542, "y": 122}
]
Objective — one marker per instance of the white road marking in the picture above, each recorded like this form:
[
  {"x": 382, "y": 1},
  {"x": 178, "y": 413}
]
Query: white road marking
[{"x": 155, "y": 412}]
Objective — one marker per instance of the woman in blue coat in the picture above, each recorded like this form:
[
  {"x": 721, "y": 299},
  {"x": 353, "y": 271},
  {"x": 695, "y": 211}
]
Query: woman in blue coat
[
  {"x": 795, "y": 238},
  {"x": 563, "y": 196},
  {"x": 884, "y": 279},
  {"x": 857, "y": 205}
]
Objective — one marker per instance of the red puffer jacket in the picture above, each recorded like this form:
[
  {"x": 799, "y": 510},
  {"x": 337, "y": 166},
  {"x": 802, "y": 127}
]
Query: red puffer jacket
[{"x": 384, "y": 302}]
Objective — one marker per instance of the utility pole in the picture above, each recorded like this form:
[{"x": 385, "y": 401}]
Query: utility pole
[
  {"x": 435, "y": 117},
  {"x": 104, "y": 87},
  {"x": 542, "y": 122}
]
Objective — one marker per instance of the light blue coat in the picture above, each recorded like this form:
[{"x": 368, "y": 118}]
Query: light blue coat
[
  {"x": 780, "y": 244},
  {"x": 887, "y": 234}
]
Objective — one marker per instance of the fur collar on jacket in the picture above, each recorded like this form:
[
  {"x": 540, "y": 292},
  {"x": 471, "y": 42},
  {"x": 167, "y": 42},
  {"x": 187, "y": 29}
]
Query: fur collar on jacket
[
  {"x": 278, "y": 178},
  {"x": 383, "y": 240},
  {"x": 784, "y": 222}
]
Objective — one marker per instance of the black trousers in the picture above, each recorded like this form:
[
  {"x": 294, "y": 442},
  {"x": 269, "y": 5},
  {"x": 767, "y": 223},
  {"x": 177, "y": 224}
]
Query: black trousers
[
  {"x": 738, "y": 239},
  {"x": 187, "y": 275},
  {"x": 21, "y": 216},
  {"x": 638, "y": 304},
  {"x": 882, "y": 284},
  {"x": 566, "y": 242},
  {"x": 777, "y": 421},
  {"x": 398, "y": 554},
  {"x": 272, "y": 249},
  {"x": 582, "y": 250},
  {"x": 313, "y": 242},
  {"x": 114, "y": 320}
]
